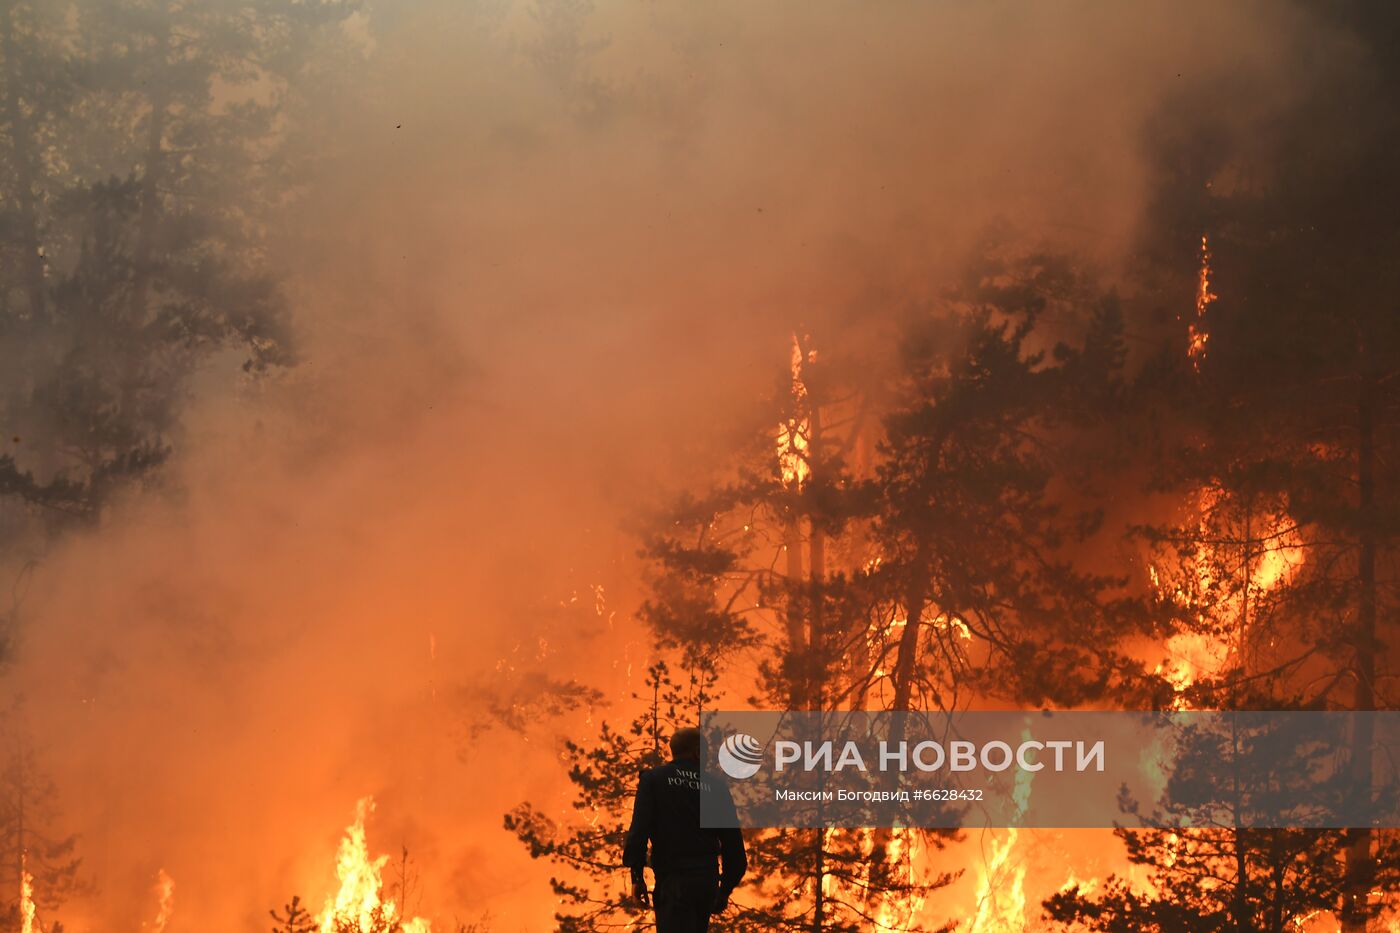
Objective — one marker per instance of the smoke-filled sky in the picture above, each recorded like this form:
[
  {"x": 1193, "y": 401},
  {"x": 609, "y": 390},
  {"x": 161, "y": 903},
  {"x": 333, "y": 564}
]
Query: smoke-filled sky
[{"x": 534, "y": 296}]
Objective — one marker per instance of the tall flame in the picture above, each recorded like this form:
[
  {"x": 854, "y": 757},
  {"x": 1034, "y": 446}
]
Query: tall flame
[
  {"x": 1001, "y": 893},
  {"x": 165, "y": 899},
  {"x": 901, "y": 912},
  {"x": 27, "y": 923},
  {"x": 358, "y": 906},
  {"x": 1197, "y": 334},
  {"x": 1001, "y": 886},
  {"x": 794, "y": 434}
]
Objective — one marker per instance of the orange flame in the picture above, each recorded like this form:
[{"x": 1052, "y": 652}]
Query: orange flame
[
  {"x": 1001, "y": 893},
  {"x": 1197, "y": 335},
  {"x": 901, "y": 913},
  {"x": 1001, "y": 885},
  {"x": 795, "y": 433},
  {"x": 358, "y": 905},
  {"x": 1276, "y": 552},
  {"x": 27, "y": 924},
  {"x": 165, "y": 897}
]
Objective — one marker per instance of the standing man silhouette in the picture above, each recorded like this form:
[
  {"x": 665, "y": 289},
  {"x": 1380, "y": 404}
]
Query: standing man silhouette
[{"x": 684, "y": 856}]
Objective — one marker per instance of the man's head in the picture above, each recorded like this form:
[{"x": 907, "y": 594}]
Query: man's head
[{"x": 687, "y": 744}]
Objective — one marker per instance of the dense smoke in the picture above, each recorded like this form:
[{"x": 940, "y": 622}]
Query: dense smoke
[{"x": 543, "y": 264}]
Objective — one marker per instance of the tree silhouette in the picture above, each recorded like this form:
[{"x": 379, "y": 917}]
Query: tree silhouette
[
  {"x": 30, "y": 840},
  {"x": 135, "y": 213},
  {"x": 293, "y": 919}
]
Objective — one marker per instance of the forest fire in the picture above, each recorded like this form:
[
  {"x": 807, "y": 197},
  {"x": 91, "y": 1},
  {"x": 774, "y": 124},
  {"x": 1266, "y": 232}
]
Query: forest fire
[{"x": 348, "y": 351}]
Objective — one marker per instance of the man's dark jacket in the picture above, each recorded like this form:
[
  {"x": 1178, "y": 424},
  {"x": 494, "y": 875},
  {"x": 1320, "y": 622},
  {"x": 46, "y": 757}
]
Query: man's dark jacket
[{"x": 667, "y": 814}]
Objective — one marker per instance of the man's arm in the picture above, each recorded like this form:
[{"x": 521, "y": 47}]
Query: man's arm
[
  {"x": 734, "y": 860},
  {"x": 634, "y": 851}
]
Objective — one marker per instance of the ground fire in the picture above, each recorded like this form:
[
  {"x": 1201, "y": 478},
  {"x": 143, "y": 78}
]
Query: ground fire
[{"x": 361, "y": 905}]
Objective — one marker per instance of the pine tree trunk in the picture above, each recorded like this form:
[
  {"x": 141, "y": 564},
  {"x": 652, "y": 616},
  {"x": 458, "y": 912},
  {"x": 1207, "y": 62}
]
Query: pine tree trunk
[
  {"x": 796, "y": 624},
  {"x": 1280, "y": 890},
  {"x": 1240, "y": 906},
  {"x": 816, "y": 667},
  {"x": 906, "y": 658},
  {"x": 904, "y": 667},
  {"x": 1359, "y": 867}
]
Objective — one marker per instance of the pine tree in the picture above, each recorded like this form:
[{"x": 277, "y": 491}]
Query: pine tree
[
  {"x": 31, "y": 842},
  {"x": 146, "y": 152},
  {"x": 604, "y": 776},
  {"x": 977, "y": 522},
  {"x": 293, "y": 919}
]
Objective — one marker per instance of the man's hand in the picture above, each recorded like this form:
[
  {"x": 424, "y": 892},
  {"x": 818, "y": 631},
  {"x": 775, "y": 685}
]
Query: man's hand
[
  {"x": 721, "y": 901},
  {"x": 640, "y": 894}
]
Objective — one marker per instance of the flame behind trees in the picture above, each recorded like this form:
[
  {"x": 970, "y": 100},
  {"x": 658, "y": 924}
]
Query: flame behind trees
[
  {"x": 1197, "y": 333},
  {"x": 1222, "y": 575},
  {"x": 795, "y": 431},
  {"x": 1291, "y": 421}
]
